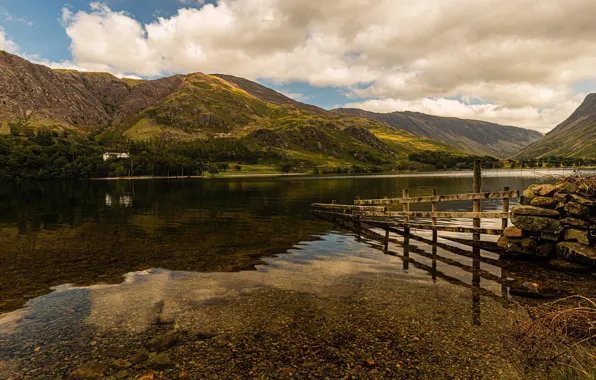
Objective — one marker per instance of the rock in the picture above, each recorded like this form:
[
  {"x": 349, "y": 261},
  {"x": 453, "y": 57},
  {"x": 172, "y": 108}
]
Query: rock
[
  {"x": 585, "y": 190},
  {"x": 560, "y": 207},
  {"x": 546, "y": 250},
  {"x": 121, "y": 375},
  {"x": 116, "y": 352},
  {"x": 563, "y": 265},
  {"x": 529, "y": 194},
  {"x": 566, "y": 187},
  {"x": 575, "y": 222},
  {"x": 525, "y": 246},
  {"x": 138, "y": 357},
  {"x": 577, "y": 253},
  {"x": 203, "y": 335},
  {"x": 161, "y": 362},
  {"x": 531, "y": 289},
  {"x": 580, "y": 236},
  {"x": 513, "y": 232},
  {"x": 582, "y": 200},
  {"x": 89, "y": 371},
  {"x": 550, "y": 236},
  {"x": 163, "y": 342},
  {"x": 538, "y": 224},
  {"x": 533, "y": 211},
  {"x": 561, "y": 197},
  {"x": 546, "y": 190},
  {"x": 577, "y": 210},
  {"x": 544, "y": 202}
]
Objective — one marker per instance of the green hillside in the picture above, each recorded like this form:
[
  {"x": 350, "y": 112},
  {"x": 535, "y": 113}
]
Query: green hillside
[{"x": 574, "y": 138}]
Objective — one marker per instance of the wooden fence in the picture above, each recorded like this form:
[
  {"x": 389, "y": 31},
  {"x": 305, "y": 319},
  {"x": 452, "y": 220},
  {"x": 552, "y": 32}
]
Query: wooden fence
[{"x": 380, "y": 213}]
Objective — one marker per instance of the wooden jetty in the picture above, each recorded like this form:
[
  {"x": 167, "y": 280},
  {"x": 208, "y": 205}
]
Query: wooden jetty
[{"x": 385, "y": 214}]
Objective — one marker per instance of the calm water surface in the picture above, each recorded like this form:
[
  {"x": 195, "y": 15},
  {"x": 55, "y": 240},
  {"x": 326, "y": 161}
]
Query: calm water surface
[{"x": 89, "y": 266}]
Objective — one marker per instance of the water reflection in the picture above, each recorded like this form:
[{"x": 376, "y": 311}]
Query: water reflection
[{"x": 176, "y": 243}]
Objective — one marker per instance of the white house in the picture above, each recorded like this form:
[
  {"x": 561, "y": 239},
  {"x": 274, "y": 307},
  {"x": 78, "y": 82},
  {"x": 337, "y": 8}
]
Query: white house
[{"x": 112, "y": 156}]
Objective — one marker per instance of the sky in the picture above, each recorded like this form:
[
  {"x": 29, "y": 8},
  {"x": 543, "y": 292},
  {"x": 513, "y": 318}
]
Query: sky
[{"x": 516, "y": 62}]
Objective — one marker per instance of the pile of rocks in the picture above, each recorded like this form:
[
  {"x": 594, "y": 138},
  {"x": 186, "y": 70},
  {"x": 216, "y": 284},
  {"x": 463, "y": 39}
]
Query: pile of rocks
[{"x": 554, "y": 221}]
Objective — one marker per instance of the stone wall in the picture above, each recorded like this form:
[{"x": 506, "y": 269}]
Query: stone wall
[{"x": 554, "y": 221}]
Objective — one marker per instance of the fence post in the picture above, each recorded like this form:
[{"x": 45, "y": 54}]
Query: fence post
[
  {"x": 505, "y": 221},
  {"x": 386, "y": 227},
  {"x": 477, "y": 189},
  {"x": 434, "y": 209},
  {"x": 406, "y": 209}
]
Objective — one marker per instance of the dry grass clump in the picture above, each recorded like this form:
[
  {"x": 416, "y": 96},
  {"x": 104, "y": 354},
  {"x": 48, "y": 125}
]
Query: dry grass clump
[
  {"x": 559, "y": 337},
  {"x": 586, "y": 182}
]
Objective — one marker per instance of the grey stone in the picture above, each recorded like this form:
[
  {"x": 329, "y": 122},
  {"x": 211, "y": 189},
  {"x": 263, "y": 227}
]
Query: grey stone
[
  {"x": 523, "y": 246},
  {"x": 551, "y": 236},
  {"x": 577, "y": 210},
  {"x": 538, "y": 224},
  {"x": 544, "y": 202},
  {"x": 531, "y": 289},
  {"x": 546, "y": 190},
  {"x": 582, "y": 200},
  {"x": 89, "y": 371},
  {"x": 138, "y": 357},
  {"x": 163, "y": 342},
  {"x": 513, "y": 232},
  {"x": 580, "y": 236},
  {"x": 546, "y": 250},
  {"x": 563, "y": 265},
  {"x": 161, "y": 362},
  {"x": 533, "y": 211},
  {"x": 577, "y": 253},
  {"x": 575, "y": 222}
]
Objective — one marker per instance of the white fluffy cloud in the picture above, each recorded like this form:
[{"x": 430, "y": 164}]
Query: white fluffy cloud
[
  {"x": 520, "y": 57},
  {"x": 6, "y": 44}
]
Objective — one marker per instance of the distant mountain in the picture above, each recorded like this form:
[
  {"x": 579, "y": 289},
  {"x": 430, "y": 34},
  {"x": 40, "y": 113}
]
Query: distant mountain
[
  {"x": 197, "y": 106},
  {"x": 473, "y": 136},
  {"x": 575, "y": 137}
]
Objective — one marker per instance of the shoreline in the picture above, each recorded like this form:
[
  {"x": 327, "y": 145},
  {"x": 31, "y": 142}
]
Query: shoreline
[{"x": 437, "y": 173}]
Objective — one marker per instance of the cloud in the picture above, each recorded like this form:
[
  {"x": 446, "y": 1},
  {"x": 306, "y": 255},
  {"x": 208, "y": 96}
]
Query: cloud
[
  {"x": 6, "y": 44},
  {"x": 518, "y": 54},
  {"x": 10, "y": 17},
  {"x": 525, "y": 117}
]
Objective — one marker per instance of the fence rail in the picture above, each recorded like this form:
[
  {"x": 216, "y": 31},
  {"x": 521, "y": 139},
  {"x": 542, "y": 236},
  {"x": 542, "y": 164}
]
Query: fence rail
[{"x": 392, "y": 219}]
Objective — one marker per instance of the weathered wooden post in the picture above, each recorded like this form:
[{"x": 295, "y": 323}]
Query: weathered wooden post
[
  {"x": 406, "y": 210},
  {"x": 356, "y": 221},
  {"x": 477, "y": 202},
  {"x": 386, "y": 227},
  {"x": 505, "y": 221},
  {"x": 434, "y": 210}
]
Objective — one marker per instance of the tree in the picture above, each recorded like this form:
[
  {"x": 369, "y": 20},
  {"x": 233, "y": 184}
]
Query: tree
[
  {"x": 286, "y": 167},
  {"x": 213, "y": 171}
]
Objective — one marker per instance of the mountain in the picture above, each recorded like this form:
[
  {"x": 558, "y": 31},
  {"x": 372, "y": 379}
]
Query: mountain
[
  {"x": 473, "y": 136},
  {"x": 575, "y": 137},
  {"x": 197, "y": 106}
]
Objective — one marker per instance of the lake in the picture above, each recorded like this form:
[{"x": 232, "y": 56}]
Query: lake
[{"x": 218, "y": 278}]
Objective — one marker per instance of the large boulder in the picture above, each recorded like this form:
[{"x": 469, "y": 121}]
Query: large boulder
[
  {"x": 577, "y": 252},
  {"x": 513, "y": 232},
  {"x": 580, "y": 236},
  {"x": 538, "y": 224},
  {"x": 522, "y": 246},
  {"x": 575, "y": 222},
  {"x": 577, "y": 210},
  {"x": 533, "y": 211},
  {"x": 544, "y": 202},
  {"x": 582, "y": 200}
]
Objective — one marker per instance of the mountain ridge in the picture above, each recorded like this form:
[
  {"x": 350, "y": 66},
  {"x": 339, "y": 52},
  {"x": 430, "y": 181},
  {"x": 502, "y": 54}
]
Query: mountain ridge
[
  {"x": 575, "y": 137},
  {"x": 474, "y": 136}
]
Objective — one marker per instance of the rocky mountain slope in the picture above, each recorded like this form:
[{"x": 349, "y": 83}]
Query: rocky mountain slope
[
  {"x": 575, "y": 137},
  {"x": 473, "y": 136},
  {"x": 196, "y": 106}
]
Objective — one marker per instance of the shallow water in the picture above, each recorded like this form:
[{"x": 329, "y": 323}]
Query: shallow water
[{"x": 89, "y": 266}]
